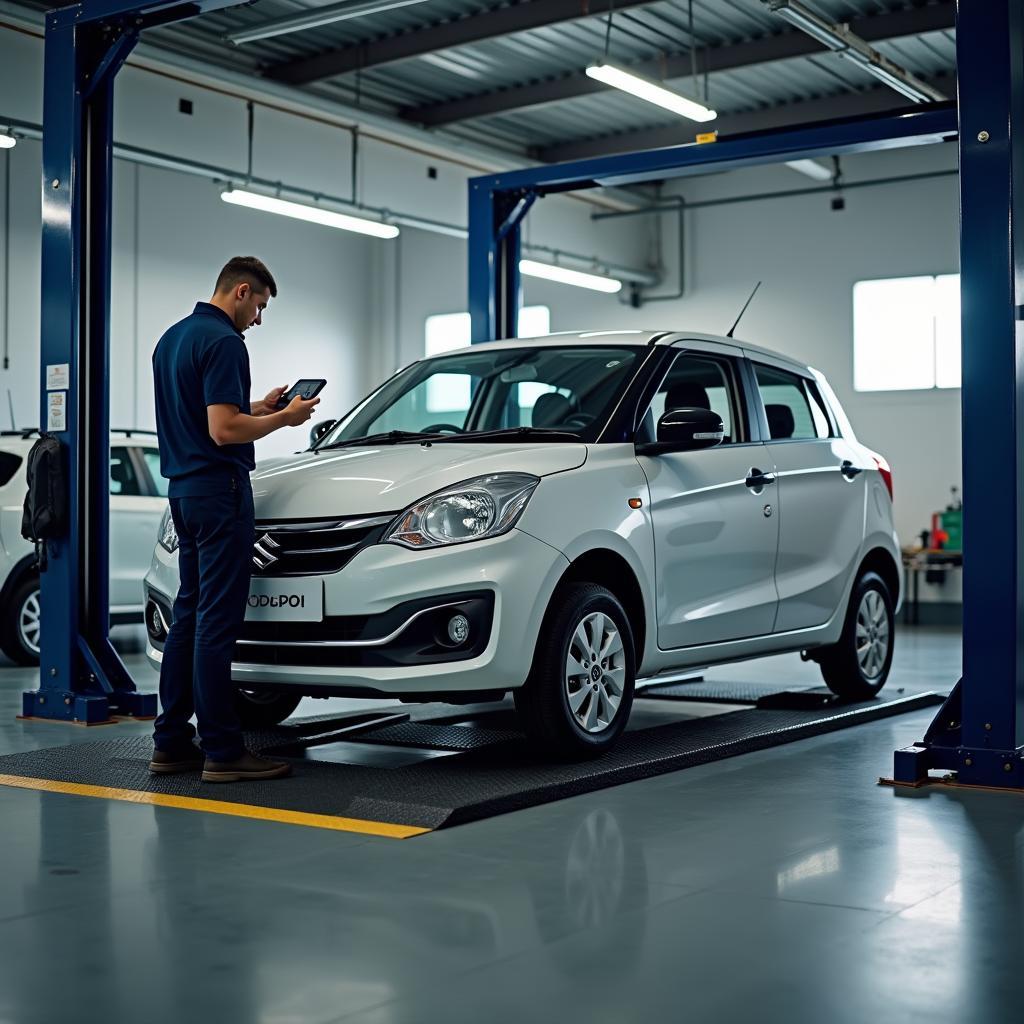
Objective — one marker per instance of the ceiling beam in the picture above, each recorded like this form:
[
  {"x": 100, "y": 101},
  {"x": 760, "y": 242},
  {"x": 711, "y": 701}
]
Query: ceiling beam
[
  {"x": 785, "y": 115},
  {"x": 781, "y": 46},
  {"x": 474, "y": 28}
]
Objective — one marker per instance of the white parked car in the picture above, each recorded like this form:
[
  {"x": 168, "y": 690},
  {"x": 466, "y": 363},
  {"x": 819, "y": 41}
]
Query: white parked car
[
  {"x": 559, "y": 518},
  {"x": 138, "y": 498}
]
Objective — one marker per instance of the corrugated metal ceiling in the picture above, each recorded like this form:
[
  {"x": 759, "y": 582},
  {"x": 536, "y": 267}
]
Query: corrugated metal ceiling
[{"x": 652, "y": 32}]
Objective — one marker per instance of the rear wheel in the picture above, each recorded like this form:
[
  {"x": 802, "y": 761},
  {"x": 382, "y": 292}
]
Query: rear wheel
[
  {"x": 260, "y": 709},
  {"x": 857, "y": 667},
  {"x": 578, "y": 697},
  {"x": 19, "y": 627}
]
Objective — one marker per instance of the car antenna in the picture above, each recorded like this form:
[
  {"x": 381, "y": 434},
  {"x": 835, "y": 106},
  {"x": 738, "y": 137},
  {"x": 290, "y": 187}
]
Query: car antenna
[
  {"x": 743, "y": 310},
  {"x": 10, "y": 407}
]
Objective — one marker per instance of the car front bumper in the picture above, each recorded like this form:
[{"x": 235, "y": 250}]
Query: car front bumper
[{"x": 517, "y": 572}]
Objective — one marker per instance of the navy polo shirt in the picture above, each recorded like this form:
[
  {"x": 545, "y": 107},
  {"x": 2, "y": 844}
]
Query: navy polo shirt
[{"x": 200, "y": 361}]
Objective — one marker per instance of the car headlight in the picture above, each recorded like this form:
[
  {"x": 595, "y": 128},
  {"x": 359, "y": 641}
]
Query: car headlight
[
  {"x": 486, "y": 506},
  {"x": 168, "y": 536}
]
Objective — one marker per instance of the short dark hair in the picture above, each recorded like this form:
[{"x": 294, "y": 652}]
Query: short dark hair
[{"x": 246, "y": 270}]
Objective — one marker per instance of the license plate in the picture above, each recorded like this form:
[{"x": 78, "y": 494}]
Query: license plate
[{"x": 285, "y": 600}]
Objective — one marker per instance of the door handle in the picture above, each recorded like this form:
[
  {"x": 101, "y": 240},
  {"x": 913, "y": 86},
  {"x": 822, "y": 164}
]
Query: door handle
[
  {"x": 756, "y": 479},
  {"x": 849, "y": 470}
]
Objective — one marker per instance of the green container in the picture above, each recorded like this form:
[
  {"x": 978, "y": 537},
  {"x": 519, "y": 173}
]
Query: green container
[{"x": 952, "y": 522}]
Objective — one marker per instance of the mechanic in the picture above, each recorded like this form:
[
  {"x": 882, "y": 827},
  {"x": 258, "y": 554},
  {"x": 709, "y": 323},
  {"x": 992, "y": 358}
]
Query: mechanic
[{"x": 207, "y": 426}]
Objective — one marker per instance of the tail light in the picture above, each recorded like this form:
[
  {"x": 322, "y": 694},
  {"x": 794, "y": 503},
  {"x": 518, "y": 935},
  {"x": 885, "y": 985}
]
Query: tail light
[{"x": 886, "y": 471}]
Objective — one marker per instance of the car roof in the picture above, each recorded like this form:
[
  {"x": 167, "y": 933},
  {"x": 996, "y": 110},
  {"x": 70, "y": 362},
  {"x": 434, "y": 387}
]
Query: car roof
[
  {"x": 22, "y": 440},
  {"x": 635, "y": 338}
]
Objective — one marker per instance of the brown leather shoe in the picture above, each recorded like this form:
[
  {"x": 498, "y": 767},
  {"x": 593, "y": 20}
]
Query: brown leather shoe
[
  {"x": 248, "y": 766},
  {"x": 167, "y": 762}
]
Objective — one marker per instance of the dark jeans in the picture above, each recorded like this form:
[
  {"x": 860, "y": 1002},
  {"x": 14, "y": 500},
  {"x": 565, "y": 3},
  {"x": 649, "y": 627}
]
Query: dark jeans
[{"x": 215, "y": 535}]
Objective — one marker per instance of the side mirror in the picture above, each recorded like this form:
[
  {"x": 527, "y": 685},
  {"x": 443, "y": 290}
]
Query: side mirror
[
  {"x": 319, "y": 429},
  {"x": 685, "y": 430}
]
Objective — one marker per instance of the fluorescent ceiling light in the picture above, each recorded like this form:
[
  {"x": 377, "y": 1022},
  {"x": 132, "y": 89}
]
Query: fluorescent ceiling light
[
  {"x": 313, "y": 214},
  {"x": 811, "y": 168},
  {"x": 645, "y": 89},
  {"x": 327, "y": 15},
  {"x": 7, "y": 141},
  {"x": 549, "y": 272},
  {"x": 850, "y": 45}
]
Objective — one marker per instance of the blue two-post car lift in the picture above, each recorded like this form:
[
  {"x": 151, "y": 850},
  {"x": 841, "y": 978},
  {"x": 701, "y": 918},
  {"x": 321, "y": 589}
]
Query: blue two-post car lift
[
  {"x": 82, "y": 678},
  {"x": 976, "y": 733},
  {"x": 979, "y": 731}
]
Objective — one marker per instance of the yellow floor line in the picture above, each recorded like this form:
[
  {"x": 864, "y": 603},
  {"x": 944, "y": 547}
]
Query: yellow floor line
[{"x": 189, "y": 803}]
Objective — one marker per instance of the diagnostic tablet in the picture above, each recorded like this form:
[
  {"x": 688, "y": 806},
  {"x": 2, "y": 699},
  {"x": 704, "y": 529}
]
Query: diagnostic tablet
[{"x": 304, "y": 389}]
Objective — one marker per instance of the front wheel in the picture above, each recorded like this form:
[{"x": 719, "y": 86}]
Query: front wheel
[
  {"x": 19, "y": 626},
  {"x": 578, "y": 696},
  {"x": 857, "y": 667},
  {"x": 261, "y": 709}
]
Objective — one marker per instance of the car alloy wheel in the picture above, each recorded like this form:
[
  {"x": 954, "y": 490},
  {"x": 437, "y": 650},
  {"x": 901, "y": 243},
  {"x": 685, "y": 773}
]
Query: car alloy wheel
[
  {"x": 28, "y": 622},
  {"x": 872, "y": 635},
  {"x": 595, "y": 673}
]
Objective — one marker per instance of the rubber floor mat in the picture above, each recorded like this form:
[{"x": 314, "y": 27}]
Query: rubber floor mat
[{"x": 440, "y": 792}]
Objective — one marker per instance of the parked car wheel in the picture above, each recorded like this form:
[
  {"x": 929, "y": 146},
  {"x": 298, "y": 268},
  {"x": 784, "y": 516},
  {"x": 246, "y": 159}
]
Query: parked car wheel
[
  {"x": 259, "y": 709},
  {"x": 577, "y": 698},
  {"x": 19, "y": 629},
  {"x": 857, "y": 667}
]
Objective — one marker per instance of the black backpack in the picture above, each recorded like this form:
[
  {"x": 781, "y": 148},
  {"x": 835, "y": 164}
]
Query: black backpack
[{"x": 45, "y": 513}]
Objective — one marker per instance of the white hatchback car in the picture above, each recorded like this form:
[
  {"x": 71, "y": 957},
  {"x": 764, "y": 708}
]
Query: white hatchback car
[
  {"x": 138, "y": 498},
  {"x": 559, "y": 518}
]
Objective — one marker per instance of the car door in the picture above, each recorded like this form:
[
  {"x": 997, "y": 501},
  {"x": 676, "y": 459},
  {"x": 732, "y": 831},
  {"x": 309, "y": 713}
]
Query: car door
[
  {"x": 712, "y": 511},
  {"x": 821, "y": 493},
  {"x": 135, "y": 511}
]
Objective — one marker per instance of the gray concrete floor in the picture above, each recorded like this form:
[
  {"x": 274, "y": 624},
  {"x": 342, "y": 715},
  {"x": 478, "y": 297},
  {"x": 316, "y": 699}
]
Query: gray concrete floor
[{"x": 779, "y": 886}]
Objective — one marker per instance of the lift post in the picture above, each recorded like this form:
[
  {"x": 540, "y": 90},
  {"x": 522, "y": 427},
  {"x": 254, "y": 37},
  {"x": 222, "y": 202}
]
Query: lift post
[
  {"x": 81, "y": 676},
  {"x": 979, "y": 731}
]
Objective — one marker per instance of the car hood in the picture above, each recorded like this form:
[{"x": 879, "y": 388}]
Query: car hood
[{"x": 370, "y": 480}]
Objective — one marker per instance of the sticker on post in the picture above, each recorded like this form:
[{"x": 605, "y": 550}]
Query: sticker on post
[
  {"x": 58, "y": 376},
  {"x": 57, "y": 411}
]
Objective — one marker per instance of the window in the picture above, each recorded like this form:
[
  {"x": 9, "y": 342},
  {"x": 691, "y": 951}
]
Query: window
[
  {"x": 9, "y": 463},
  {"x": 448, "y": 331},
  {"x": 152, "y": 459},
  {"x": 581, "y": 385},
  {"x": 792, "y": 404},
  {"x": 123, "y": 478},
  {"x": 906, "y": 333},
  {"x": 701, "y": 382}
]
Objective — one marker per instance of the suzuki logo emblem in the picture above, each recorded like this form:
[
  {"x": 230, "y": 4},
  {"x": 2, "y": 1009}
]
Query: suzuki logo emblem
[{"x": 264, "y": 552}]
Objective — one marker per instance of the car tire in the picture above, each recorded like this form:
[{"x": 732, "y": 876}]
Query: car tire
[
  {"x": 857, "y": 667},
  {"x": 19, "y": 628},
  {"x": 573, "y": 716},
  {"x": 261, "y": 709}
]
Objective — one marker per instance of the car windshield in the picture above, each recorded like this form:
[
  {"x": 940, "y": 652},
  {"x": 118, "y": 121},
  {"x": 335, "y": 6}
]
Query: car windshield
[{"x": 534, "y": 393}]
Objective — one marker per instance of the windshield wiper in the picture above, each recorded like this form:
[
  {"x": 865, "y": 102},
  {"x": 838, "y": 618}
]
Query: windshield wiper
[
  {"x": 388, "y": 437},
  {"x": 512, "y": 433}
]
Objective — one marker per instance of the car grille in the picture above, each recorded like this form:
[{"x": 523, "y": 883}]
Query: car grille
[{"x": 313, "y": 547}]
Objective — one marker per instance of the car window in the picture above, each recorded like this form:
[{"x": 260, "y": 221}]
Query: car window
[
  {"x": 794, "y": 413},
  {"x": 152, "y": 460},
  {"x": 697, "y": 381},
  {"x": 572, "y": 388},
  {"x": 9, "y": 463},
  {"x": 123, "y": 478}
]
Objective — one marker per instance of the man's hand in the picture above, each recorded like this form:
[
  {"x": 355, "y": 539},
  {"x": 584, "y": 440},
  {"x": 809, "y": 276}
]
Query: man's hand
[
  {"x": 269, "y": 404},
  {"x": 298, "y": 411}
]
